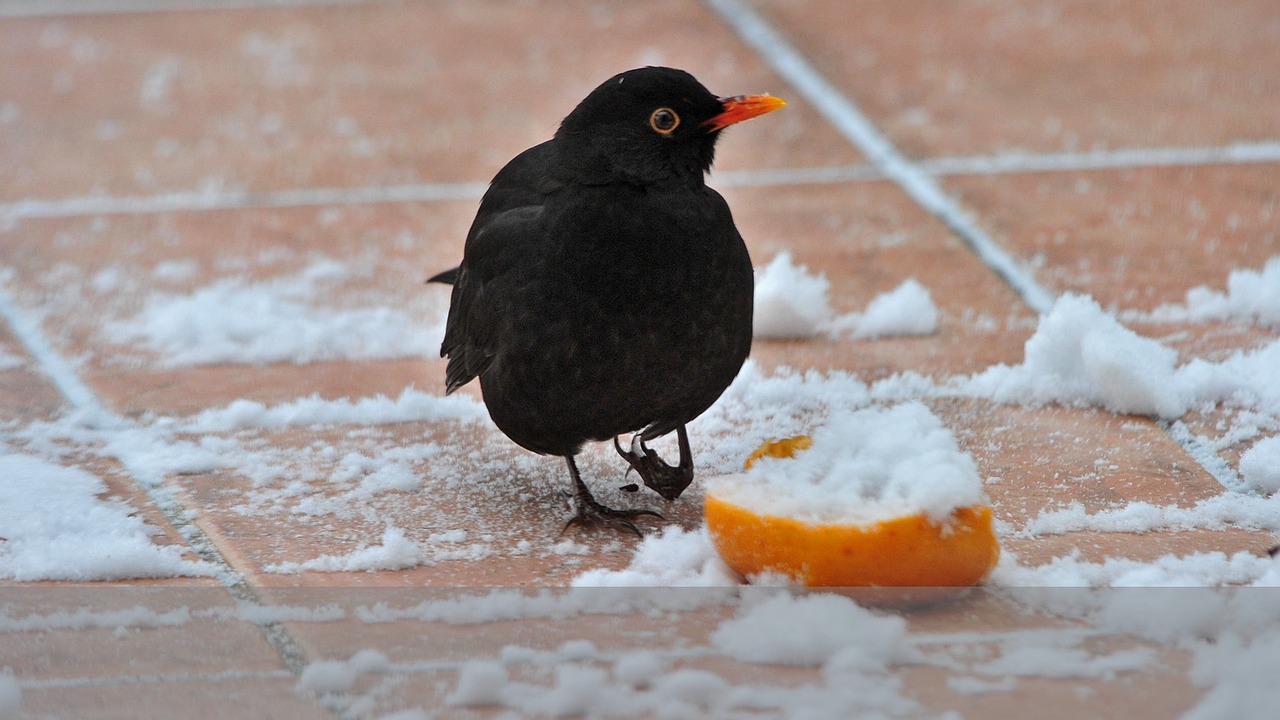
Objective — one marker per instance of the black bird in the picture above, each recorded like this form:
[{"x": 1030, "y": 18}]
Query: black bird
[{"x": 604, "y": 288}]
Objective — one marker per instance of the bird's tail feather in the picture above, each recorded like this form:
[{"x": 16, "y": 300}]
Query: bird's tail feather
[{"x": 448, "y": 277}]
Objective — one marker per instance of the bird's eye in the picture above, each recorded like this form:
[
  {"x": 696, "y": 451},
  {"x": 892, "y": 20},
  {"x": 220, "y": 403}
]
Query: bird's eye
[{"x": 664, "y": 120}]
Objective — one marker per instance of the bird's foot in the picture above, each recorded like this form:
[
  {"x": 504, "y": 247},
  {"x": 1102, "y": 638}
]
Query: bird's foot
[
  {"x": 666, "y": 480},
  {"x": 593, "y": 514}
]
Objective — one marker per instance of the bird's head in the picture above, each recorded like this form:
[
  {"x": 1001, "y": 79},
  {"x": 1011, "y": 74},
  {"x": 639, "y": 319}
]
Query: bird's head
[{"x": 651, "y": 125}]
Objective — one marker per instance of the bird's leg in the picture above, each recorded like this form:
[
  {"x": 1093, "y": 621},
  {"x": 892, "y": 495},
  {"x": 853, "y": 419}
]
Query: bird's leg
[
  {"x": 591, "y": 512},
  {"x": 660, "y": 477}
]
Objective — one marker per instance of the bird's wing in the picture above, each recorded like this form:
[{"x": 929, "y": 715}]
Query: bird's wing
[
  {"x": 521, "y": 183},
  {"x": 504, "y": 242},
  {"x": 498, "y": 254}
]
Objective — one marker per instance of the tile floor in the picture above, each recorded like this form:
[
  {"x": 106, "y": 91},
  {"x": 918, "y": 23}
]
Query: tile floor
[{"x": 1117, "y": 150}]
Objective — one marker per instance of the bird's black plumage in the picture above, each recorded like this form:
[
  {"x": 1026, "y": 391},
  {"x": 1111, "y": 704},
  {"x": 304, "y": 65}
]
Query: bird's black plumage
[{"x": 604, "y": 288}]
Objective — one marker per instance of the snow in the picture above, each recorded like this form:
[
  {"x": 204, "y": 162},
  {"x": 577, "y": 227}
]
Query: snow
[
  {"x": 10, "y": 695},
  {"x": 671, "y": 557},
  {"x": 1260, "y": 466},
  {"x": 328, "y": 676},
  {"x": 855, "y": 663},
  {"x": 1198, "y": 569},
  {"x": 906, "y": 310},
  {"x": 396, "y": 552},
  {"x": 136, "y": 616},
  {"x": 1138, "y": 516},
  {"x": 1240, "y": 677},
  {"x": 1252, "y": 296},
  {"x": 645, "y": 683},
  {"x": 791, "y": 303},
  {"x": 1049, "y": 661},
  {"x": 810, "y": 630},
  {"x": 864, "y": 466},
  {"x": 410, "y": 406},
  {"x": 56, "y": 527},
  {"x": 331, "y": 677},
  {"x": 235, "y": 320},
  {"x": 479, "y": 683},
  {"x": 639, "y": 668},
  {"x": 1080, "y": 354},
  {"x": 336, "y": 463}
]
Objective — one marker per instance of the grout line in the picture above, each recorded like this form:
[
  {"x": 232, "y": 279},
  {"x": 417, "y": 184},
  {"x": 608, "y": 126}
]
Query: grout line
[
  {"x": 82, "y": 398},
  {"x": 1233, "y": 154},
  {"x": 1201, "y": 449},
  {"x": 236, "y": 199},
  {"x": 916, "y": 181},
  {"x": 1001, "y": 164},
  {"x": 769, "y": 177},
  {"x": 27, "y": 331},
  {"x": 858, "y": 129}
]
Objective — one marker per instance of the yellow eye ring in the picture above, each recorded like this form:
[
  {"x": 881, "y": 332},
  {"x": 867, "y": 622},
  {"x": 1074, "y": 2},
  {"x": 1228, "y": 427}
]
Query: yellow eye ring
[{"x": 664, "y": 121}]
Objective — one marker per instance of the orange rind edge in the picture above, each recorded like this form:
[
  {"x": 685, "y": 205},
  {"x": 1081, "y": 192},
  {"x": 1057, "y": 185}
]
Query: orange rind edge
[{"x": 910, "y": 551}]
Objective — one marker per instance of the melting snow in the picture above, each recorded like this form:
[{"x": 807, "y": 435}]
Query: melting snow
[{"x": 791, "y": 303}]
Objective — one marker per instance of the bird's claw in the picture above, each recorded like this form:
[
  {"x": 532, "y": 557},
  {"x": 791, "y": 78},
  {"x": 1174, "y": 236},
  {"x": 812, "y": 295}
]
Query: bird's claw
[
  {"x": 666, "y": 480},
  {"x": 593, "y": 514}
]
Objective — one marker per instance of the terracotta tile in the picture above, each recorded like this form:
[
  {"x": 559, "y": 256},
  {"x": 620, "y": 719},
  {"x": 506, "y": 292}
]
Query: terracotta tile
[
  {"x": 1041, "y": 458},
  {"x": 349, "y": 95},
  {"x": 25, "y": 393},
  {"x": 120, "y": 486},
  {"x": 509, "y": 503},
  {"x": 264, "y": 698},
  {"x": 957, "y": 638},
  {"x": 1038, "y": 460},
  {"x": 1097, "y": 547},
  {"x": 981, "y": 77},
  {"x": 866, "y": 239},
  {"x": 1162, "y": 691},
  {"x": 544, "y": 628},
  {"x": 1131, "y": 238},
  {"x": 123, "y": 633},
  {"x": 83, "y": 274}
]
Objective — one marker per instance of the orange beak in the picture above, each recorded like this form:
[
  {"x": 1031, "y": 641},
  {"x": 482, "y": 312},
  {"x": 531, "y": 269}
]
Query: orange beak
[{"x": 742, "y": 107}]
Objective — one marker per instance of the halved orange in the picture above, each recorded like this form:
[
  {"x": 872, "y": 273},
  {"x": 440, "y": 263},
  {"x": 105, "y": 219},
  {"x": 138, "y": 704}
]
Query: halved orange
[{"x": 910, "y": 551}]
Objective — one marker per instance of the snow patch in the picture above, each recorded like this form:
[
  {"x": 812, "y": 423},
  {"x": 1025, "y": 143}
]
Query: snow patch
[
  {"x": 810, "y": 630},
  {"x": 864, "y": 466},
  {"x": 791, "y": 303},
  {"x": 238, "y": 321},
  {"x": 1080, "y": 354},
  {"x": 395, "y": 553},
  {"x": 410, "y": 406},
  {"x": 55, "y": 527},
  {"x": 906, "y": 310},
  {"x": 1260, "y": 467},
  {"x": 10, "y": 695},
  {"x": 1252, "y": 296},
  {"x": 672, "y": 558}
]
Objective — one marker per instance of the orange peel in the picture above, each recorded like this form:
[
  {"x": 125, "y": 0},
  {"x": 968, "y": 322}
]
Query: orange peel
[{"x": 910, "y": 551}]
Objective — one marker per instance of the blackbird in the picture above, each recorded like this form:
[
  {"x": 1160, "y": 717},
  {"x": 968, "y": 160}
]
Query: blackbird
[{"x": 604, "y": 288}]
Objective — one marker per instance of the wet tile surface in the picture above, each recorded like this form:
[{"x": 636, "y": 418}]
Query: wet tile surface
[
  {"x": 984, "y": 77},
  {"x": 1134, "y": 238},
  {"x": 207, "y": 172}
]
